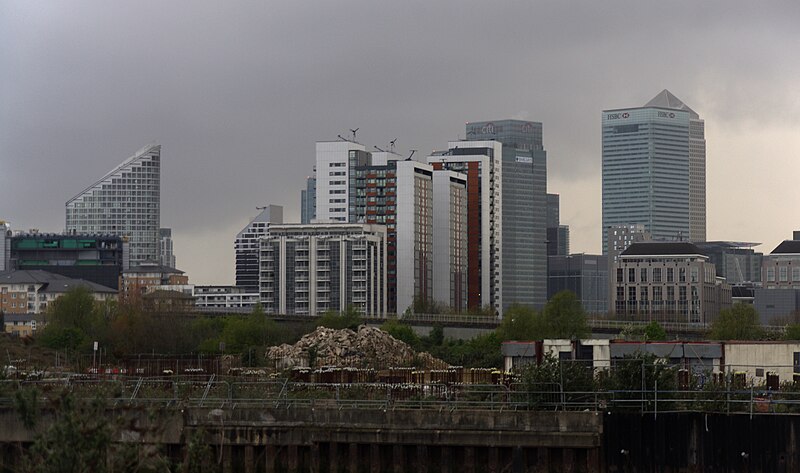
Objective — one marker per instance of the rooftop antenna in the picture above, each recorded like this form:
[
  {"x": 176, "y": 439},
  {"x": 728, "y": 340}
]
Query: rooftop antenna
[
  {"x": 391, "y": 144},
  {"x": 354, "y": 133},
  {"x": 260, "y": 208},
  {"x": 381, "y": 150},
  {"x": 412, "y": 154},
  {"x": 342, "y": 138}
]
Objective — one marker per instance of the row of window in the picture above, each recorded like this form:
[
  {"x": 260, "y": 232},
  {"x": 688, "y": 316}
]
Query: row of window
[
  {"x": 783, "y": 274},
  {"x": 655, "y": 275}
]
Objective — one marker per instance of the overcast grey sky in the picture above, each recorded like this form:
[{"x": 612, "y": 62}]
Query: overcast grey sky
[{"x": 238, "y": 92}]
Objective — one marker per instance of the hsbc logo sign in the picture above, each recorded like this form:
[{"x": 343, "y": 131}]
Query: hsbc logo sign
[
  {"x": 666, "y": 115},
  {"x": 617, "y": 116}
]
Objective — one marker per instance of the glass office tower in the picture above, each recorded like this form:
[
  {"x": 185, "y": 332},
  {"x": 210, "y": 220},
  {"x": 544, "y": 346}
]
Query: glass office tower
[
  {"x": 654, "y": 169},
  {"x": 524, "y": 197},
  {"x": 125, "y": 202}
]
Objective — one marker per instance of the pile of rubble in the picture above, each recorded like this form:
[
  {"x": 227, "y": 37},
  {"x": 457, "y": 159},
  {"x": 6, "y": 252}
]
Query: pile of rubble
[{"x": 368, "y": 347}]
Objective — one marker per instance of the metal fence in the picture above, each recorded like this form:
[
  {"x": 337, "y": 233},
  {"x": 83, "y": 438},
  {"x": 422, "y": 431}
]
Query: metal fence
[{"x": 233, "y": 393}]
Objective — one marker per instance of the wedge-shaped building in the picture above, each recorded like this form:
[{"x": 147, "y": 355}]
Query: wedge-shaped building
[{"x": 125, "y": 202}]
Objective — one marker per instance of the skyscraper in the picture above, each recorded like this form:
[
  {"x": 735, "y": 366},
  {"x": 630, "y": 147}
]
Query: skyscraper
[
  {"x": 308, "y": 201},
  {"x": 125, "y": 202},
  {"x": 654, "y": 169},
  {"x": 246, "y": 245},
  {"x": 165, "y": 248},
  {"x": 524, "y": 196},
  {"x": 557, "y": 234}
]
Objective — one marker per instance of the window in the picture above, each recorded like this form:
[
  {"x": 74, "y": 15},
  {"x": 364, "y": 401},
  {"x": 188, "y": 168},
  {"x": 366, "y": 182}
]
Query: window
[
  {"x": 670, "y": 274},
  {"x": 694, "y": 274},
  {"x": 619, "y": 275},
  {"x": 631, "y": 275},
  {"x": 682, "y": 275},
  {"x": 643, "y": 275},
  {"x": 656, "y": 274},
  {"x": 796, "y": 274},
  {"x": 670, "y": 293},
  {"x": 771, "y": 274},
  {"x": 784, "y": 273}
]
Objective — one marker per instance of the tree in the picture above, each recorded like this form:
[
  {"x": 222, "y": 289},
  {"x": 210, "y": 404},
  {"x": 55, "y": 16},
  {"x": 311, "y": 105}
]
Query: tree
[
  {"x": 792, "y": 332},
  {"x": 402, "y": 332},
  {"x": 72, "y": 319},
  {"x": 640, "y": 371},
  {"x": 654, "y": 332},
  {"x": 563, "y": 317},
  {"x": 520, "y": 322},
  {"x": 740, "y": 322},
  {"x": 350, "y": 318},
  {"x": 573, "y": 375}
]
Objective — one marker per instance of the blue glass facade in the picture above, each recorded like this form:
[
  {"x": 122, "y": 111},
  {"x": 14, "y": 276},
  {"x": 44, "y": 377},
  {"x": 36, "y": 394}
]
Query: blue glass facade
[{"x": 646, "y": 171}]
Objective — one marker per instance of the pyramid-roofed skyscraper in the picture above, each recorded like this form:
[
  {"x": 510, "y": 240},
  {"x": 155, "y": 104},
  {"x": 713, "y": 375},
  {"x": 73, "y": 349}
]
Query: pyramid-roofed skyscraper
[
  {"x": 124, "y": 202},
  {"x": 654, "y": 169}
]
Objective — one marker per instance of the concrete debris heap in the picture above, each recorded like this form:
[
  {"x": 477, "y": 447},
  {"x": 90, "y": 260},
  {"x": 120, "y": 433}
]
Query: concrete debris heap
[{"x": 369, "y": 347}]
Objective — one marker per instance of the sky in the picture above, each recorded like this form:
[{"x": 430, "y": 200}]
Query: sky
[{"x": 238, "y": 92}]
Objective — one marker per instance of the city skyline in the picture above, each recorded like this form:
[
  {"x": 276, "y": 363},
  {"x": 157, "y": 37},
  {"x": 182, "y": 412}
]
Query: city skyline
[{"x": 238, "y": 108}]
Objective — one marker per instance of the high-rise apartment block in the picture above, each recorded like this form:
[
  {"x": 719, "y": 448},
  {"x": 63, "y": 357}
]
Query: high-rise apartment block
[
  {"x": 482, "y": 163},
  {"x": 247, "y": 247},
  {"x": 125, "y": 202},
  {"x": 336, "y": 160},
  {"x": 311, "y": 269},
  {"x": 450, "y": 239},
  {"x": 654, "y": 169},
  {"x": 524, "y": 207},
  {"x": 383, "y": 188}
]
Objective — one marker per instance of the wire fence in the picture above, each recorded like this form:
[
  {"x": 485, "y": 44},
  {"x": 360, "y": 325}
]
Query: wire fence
[{"x": 234, "y": 393}]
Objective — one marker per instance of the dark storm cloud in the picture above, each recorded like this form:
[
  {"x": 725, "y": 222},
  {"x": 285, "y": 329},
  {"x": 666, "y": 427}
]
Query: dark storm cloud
[{"x": 237, "y": 92}]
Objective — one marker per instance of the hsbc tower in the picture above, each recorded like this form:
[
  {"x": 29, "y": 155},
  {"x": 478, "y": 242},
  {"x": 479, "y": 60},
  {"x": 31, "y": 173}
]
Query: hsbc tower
[{"x": 654, "y": 169}]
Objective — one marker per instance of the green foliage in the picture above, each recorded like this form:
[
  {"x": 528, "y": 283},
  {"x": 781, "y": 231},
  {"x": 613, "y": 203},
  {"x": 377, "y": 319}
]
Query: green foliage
[
  {"x": 436, "y": 335},
  {"x": 77, "y": 440},
  {"x": 350, "y": 318},
  {"x": 640, "y": 370},
  {"x": 402, "y": 332},
  {"x": 520, "y": 322},
  {"x": 482, "y": 351},
  {"x": 199, "y": 456},
  {"x": 573, "y": 375},
  {"x": 740, "y": 322},
  {"x": 427, "y": 306},
  {"x": 56, "y": 337},
  {"x": 563, "y": 317},
  {"x": 26, "y": 403},
  {"x": 71, "y": 318},
  {"x": 654, "y": 332},
  {"x": 642, "y": 333},
  {"x": 792, "y": 332}
]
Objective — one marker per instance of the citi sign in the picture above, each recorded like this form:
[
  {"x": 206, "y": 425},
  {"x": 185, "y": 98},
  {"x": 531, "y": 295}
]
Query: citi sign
[{"x": 617, "y": 116}]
